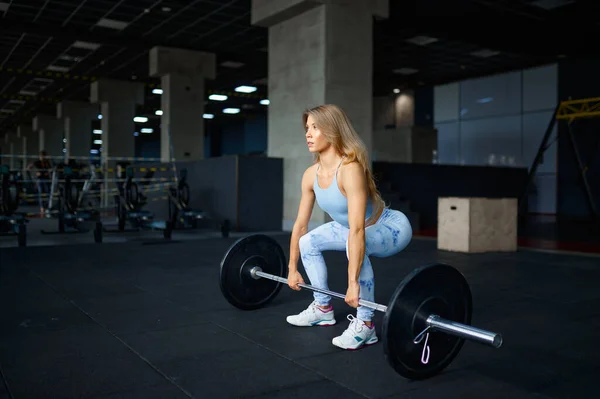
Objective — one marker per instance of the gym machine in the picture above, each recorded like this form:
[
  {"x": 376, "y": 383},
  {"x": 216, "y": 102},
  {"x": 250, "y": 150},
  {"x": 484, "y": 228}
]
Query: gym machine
[{"x": 12, "y": 223}]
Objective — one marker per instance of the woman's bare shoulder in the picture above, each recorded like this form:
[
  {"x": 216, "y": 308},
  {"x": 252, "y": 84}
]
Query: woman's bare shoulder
[{"x": 309, "y": 175}]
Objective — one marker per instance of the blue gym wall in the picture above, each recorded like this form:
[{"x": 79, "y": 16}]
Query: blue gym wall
[
  {"x": 499, "y": 121},
  {"x": 238, "y": 135},
  {"x": 148, "y": 147},
  {"x": 228, "y": 135},
  {"x": 424, "y": 106},
  {"x": 255, "y": 136}
]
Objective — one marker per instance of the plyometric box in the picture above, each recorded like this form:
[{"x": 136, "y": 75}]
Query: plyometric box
[{"x": 477, "y": 224}]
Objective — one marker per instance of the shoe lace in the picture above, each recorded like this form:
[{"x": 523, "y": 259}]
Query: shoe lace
[
  {"x": 355, "y": 327},
  {"x": 309, "y": 310}
]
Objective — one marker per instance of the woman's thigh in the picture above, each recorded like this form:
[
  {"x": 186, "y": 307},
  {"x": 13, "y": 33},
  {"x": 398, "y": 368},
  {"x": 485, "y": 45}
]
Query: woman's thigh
[
  {"x": 330, "y": 236},
  {"x": 390, "y": 235}
]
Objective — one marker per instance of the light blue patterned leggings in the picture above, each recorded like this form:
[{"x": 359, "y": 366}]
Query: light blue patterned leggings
[{"x": 390, "y": 235}]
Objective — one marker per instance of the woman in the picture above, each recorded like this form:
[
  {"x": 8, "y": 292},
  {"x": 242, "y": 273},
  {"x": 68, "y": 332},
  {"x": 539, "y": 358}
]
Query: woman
[{"x": 341, "y": 182}]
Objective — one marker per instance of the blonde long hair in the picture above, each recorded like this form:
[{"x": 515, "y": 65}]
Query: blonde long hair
[{"x": 335, "y": 125}]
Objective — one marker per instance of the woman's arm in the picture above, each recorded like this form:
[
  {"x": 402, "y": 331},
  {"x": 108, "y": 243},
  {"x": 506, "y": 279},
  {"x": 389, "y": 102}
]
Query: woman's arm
[
  {"x": 307, "y": 201},
  {"x": 355, "y": 185}
]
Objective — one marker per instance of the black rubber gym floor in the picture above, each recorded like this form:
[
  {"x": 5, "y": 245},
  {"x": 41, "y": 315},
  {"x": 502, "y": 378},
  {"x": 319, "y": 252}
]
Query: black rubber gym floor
[{"x": 149, "y": 321}]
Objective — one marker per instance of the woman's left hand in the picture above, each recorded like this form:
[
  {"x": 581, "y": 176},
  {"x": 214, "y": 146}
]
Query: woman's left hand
[{"x": 352, "y": 294}]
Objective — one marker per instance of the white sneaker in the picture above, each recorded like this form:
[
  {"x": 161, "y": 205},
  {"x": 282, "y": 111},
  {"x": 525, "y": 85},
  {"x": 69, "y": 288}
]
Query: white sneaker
[
  {"x": 356, "y": 335},
  {"x": 312, "y": 316}
]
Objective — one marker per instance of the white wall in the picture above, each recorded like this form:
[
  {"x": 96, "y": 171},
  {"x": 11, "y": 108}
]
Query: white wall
[{"x": 500, "y": 120}]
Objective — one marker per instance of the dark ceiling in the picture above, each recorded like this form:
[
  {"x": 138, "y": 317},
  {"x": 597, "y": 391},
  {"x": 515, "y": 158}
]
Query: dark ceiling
[{"x": 63, "y": 34}]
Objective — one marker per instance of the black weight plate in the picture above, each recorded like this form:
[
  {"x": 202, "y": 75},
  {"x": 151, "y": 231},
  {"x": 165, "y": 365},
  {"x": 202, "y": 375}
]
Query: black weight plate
[
  {"x": 12, "y": 197},
  {"x": 184, "y": 195},
  {"x": 132, "y": 195},
  {"x": 236, "y": 283},
  {"x": 435, "y": 289},
  {"x": 72, "y": 194}
]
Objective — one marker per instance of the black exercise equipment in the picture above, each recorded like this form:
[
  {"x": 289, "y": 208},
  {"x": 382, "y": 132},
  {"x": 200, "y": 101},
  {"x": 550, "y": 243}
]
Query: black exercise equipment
[
  {"x": 425, "y": 323},
  {"x": 129, "y": 205},
  {"x": 70, "y": 219},
  {"x": 10, "y": 190},
  {"x": 11, "y": 222},
  {"x": 180, "y": 213},
  {"x": 183, "y": 216}
]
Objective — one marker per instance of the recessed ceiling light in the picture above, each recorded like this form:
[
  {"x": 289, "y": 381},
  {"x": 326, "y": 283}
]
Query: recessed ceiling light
[
  {"x": 97, "y": 141},
  {"x": 396, "y": 91},
  {"x": 485, "y": 53},
  {"x": 551, "y": 4},
  {"x": 406, "y": 71},
  {"x": 217, "y": 97},
  {"x": 147, "y": 130},
  {"x": 57, "y": 68},
  {"x": 140, "y": 119},
  {"x": 232, "y": 64},
  {"x": 208, "y": 116},
  {"x": 67, "y": 57},
  {"x": 265, "y": 102},
  {"x": 231, "y": 111},
  {"x": 157, "y": 91},
  {"x": 158, "y": 112},
  {"x": 86, "y": 45},
  {"x": 245, "y": 89},
  {"x": 43, "y": 81},
  {"x": 97, "y": 131},
  {"x": 112, "y": 24},
  {"x": 422, "y": 40}
]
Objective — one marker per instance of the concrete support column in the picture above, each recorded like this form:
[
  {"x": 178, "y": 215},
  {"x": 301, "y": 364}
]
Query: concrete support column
[
  {"x": 24, "y": 133},
  {"x": 31, "y": 141},
  {"x": 50, "y": 135},
  {"x": 118, "y": 101},
  {"x": 77, "y": 121},
  {"x": 396, "y": 137},
  {"x": 9, "y": 149},
  {"x": 182, "y": 75},
  {"x": 320, "y": 51}
]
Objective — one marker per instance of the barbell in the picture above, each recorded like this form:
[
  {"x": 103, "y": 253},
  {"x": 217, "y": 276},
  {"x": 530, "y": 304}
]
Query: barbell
[{"x": 425, "y": 323}]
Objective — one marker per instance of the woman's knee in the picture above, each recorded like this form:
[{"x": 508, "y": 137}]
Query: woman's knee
[{"x": 307, "y": 244}]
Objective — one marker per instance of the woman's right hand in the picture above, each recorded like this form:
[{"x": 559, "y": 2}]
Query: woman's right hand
[{"x": 295, "y": 278}]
